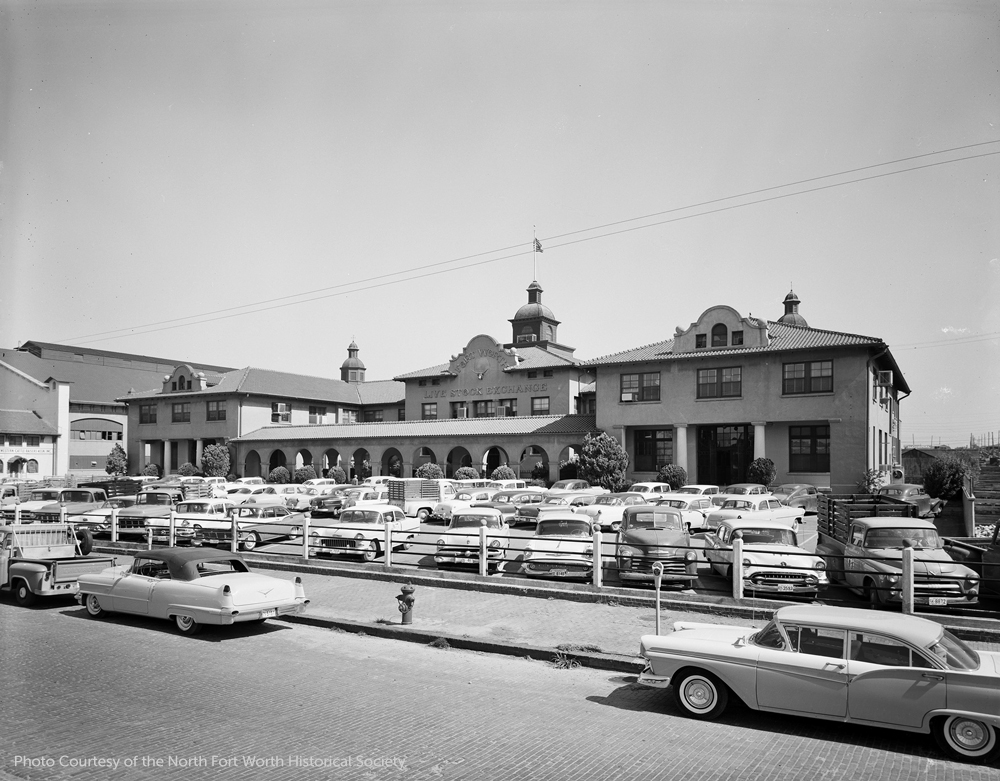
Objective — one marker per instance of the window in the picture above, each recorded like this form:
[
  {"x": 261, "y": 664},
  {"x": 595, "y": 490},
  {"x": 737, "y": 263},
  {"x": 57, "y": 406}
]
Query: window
[
  {"x": 352, "y": 375},
  {"x": 402, "y": 413},
  {"x": 653, "y": 449},
  {"x": 348, "y": 416},
  {"x": 281, "y": 412},
  {"x": 809, "y": 448},
  {"x": 147, "y": 413},
  {"x": 32, "y": 467},
  {"x": 737, "y": 339},
  {"x": 508, "y": 407},
  {"x": 429, "y": 411},
  {"x": 486, "y": 409},
  {"x": 819, "y": 641},
  {"x": 532, "y": 375},
  {"x": 436, "y": 381},
  {"x": 878, "y": 649},
  {"x": 700, "y": 340},
  {"x": 720, "y": 335},
  {"x": 33, "y": 441},
  {"x": 422, "y": 383},
  {"x": 527, "y": 338},
  {"x": 373, "y": 416},
  {"x": 181, "y": 412},
  {"x": 459, "y": 409},
  {"x": 540, "y": 405},
  {"x": 317, "y": 414},
  {"x": 216, "y": 410},
  {"x": 720, "y": 383},
  {"x": 14, "y": 440},
  {"x": 807, "y": 377},
  {"x": 640, "y": 387},
  {"x": 547, "y": 373}
]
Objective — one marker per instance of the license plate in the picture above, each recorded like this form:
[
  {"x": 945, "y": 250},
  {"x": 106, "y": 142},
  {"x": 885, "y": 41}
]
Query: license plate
[
  {"x": 559, "y": 573},
  {"x": 785, "y": 587},
  {"x": 269, "y": 613},
  {"x": 937, "y": 601},
  {"x": 467, "y": 561}
]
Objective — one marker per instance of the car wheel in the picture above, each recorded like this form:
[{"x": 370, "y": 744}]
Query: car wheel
[
  {"x": 250, "y": 542},
  {"x": 874, "y": 595},
  {"x": 423, "y": 514},
  {"x": 93, "y": 605},
  {"x": 700, "y": 695},
  {"x": 23, "y": 595},
  {"x": 371, "y": 553},
  {"x": 187, "y": 625},
  {"x": 967, "y": 739},
  {"x": 86, "y": 540}
]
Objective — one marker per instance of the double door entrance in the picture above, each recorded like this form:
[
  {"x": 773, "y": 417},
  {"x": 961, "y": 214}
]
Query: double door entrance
[{"x": 724, "y": 454}]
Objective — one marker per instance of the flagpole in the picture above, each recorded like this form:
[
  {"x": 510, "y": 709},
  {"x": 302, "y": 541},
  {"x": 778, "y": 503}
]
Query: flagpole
[{"x": 534, "y": 254}]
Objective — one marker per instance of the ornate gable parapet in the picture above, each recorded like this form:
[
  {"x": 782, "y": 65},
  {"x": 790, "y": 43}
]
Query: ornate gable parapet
[
  {"x": 184, "y": 378},
  {"x": 483, "y": 355},
  {"x": 720, "y": 328}
]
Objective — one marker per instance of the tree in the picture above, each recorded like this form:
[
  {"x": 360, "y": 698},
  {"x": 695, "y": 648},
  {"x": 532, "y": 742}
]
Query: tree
[
  {"x": 944, "y": 477},
  {"x": 117, "y": 463},
  {"x": 762, "y": 471},
  {"x": 186, "y": 469},
  {"x": 503, "y": 472},
  {"x": 278, "y": 475},
  {"x": 540, "y": 471},
  {"x": 215, "y": 461},
  {"x": 338, "y": 474},
  {"x": 672, "y": 474},
  {"x": 430, "y": 471},
  {"x": 871, "y": 480},
  {"x": 466, "y": 473},
  {"x": 304, "y": 473},
  {"x": 603, "y": 462},
  {"x": 152, "y": 470}
]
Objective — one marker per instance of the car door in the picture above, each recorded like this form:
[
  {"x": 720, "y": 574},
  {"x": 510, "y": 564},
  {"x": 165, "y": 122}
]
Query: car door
[
  {"x": 131, "y": 592},
  {"x": 717, "y": 549},
  {"x": 808, "y": 677}
]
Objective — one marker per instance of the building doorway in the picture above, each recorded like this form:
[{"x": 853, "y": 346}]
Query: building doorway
[{"x": 724, "y": 454}]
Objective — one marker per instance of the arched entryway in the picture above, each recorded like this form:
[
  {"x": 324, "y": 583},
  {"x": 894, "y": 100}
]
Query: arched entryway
[
  {"x": 361, "y": 466},
  {"x": 457, "y": 458},
  {"x": 251, "y": 464},
  {"x": 423, "y": 455},
  {"x": 493, "y": 458},
  {"x": 277, "y": 459},
  {"x": 392, "y": 463},
  {"x": 569, "y": 457},
  {"x": 331, "y": 458},
  {"x": 534, "y": 463},
  {"x": 303, "y": 458}
]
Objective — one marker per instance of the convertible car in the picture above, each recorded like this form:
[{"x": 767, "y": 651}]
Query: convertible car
[
  {"x": 842, "y": 664},
  {"x": 191, "y": 587}
]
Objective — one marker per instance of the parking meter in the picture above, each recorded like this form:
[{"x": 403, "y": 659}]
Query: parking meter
[{"x": 657, "y": 577}]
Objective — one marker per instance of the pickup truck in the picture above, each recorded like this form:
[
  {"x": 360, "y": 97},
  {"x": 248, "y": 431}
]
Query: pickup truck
[
  {"x": 417, "y": 497},
  {"x": 44, "y": 560},
  {"x": 862, "y": 538},
  {"x": 150, "y": 504}
]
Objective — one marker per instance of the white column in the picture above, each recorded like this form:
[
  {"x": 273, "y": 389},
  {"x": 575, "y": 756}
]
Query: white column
[
  {"x": 199, "y": 447},
  {"x": 167, "y": 466},
  {"x": 681, "y": 448},
  {"x": 758, "y": 440}
]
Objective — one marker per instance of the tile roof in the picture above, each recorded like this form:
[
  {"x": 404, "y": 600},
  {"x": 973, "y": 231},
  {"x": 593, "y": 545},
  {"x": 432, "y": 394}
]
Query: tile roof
[
  {"x": 449, "y": 427},
  {"x": 22, "y": 421},
  {"x": 163, "y": 364},
  {"x": 433, "y": 371},
  {"x": 528, "y": 358},
  {"x": 782, "y": 337}
]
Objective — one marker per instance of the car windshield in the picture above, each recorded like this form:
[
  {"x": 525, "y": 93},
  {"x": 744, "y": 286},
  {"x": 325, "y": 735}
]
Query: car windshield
[
  {"x": 677, "y": 504},
  {"x": 192, "y": 507},
  {"x": 651, "y": 519},
  {"x": 737, "y": 504},
  {"x": 954, "y": 653},
  {"x": 464, "y": 497},
  {"x": 473, "y": 521},
  {"x": 902, "y": 538},
  {"x": 76, "y": 496},
  {"x": 612, "y": 500},
  {"x": 43, "y": 496},
  {"x": 360, "y": 516},
  {"x": 563, "y": 528},
  {"x": 558, "y": 500},
  {"x": 767, "y": 536},
  {"x": 153, "y": 499},
  {"x": 120, "y": 501},
  {"x": 687, "y": 491},
  {"x": 249, "y": 512}
]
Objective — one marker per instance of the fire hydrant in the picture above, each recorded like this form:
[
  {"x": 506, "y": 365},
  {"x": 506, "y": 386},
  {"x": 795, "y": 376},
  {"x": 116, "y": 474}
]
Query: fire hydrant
[{"x": 406, "y": 600}]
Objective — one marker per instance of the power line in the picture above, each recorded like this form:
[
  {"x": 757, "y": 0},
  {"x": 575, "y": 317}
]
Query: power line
[{"x": 197, "y": 318}]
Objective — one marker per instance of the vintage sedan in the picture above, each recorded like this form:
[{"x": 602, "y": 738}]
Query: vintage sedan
[
  {"x": 797, "y": 495},
  {"x": 532, "y": 513},
  {"x": 255, "y": 524},
  {"x": 607, "y": 509},
  {"x": 562, "y": 547},
  {"x": 698, "y": 488},
  {"x": 694, "y": 508},
  {"x": 98, "y": 522},
  {"x": 773, "y": 563},
  {"x": 458, "y": 545},
  {"x": 444, "y": 509},
  {"x": 191, "y": 587},
  {"x": 360, "y": 531},
  {"x": 915, "y": 495},
  {"x": 575, "y": 487},
  {"x": 739, "y": 490},
  {"x": 190, "y": 517},
  {"x": 840, "y": 664},
  {"x": 649, "y": 488},
  {"x": 761, "y": 508}
]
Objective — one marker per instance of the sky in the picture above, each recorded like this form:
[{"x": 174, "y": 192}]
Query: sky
[{"x": 260, "y": 183}]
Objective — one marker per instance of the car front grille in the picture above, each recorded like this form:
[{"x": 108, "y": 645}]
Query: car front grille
[
  {"x": 779, "y": 578},
  {"x": 131, "y": 523},
  {"x": 675, "y": 566},
  {"x": 948, "y": 589},
  {"x": 47, "y": 517},
  {"x": 335, "y": 542}
]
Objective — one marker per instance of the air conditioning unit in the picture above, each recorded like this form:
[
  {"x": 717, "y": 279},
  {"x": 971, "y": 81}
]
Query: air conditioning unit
[
  {"x": 501, "y": 412},
  {"x": 896, "y": 474},
  {"x": 630, "y": 396},
  {"x": 462, "y": 412},
  {"x": 885, "y": 379}
]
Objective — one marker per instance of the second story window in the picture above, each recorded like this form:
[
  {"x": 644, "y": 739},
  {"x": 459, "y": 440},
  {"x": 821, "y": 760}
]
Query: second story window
[
  {"x": 486, "y": 409},
  {"x": 281, "y": 412},
  {"x": 348, "y": 416},
  {"x": 540, "y": 405},
  {"x": 147, "y": 413},
  {"x": 216, "y": 410},
  {"x": 640, "y": 386},
  {"x": 181, "y": 413},
  {"x": 373, "y": 416},
  {"x": 807, "y": 377},
  {"x": 700, "y": 340},
  {"x": 30, "y": 440},
  {"x": 317, "y": 414},
  {"x": 720, "y": 383},
  {"x": 459, "y": 409},
  {"x": 507, "y": 407},
  {"x": 429, "y": 411},
  {"x": 720, "y": 335},
  {"x": 401, "y": 413}
]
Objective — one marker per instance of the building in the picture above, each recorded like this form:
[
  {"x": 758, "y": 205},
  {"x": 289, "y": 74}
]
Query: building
[{"x": 822, "y": 405}]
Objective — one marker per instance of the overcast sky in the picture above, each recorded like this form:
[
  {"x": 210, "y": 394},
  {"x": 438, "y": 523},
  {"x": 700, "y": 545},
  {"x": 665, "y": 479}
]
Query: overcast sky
[{"x": 259, "y": 183}]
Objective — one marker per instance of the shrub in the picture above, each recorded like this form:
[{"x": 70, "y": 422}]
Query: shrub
[
  {"x": 186, "y": 469},
  {"x": 304, "y": 473},
  {"x": 338, "y": 474},
  {"x": 215, "y": 461},
  {"x": 278, "y": 475},
  {"x": 568, "y": 470},
  {"x": 232, "y": 478},
  {"x": 430, "y": 471},
  {"x": 540, "y": 471},
  {"x": 466, "y": 473},
  {"x": 117, "y": 463},
  {"x": 761, "y": 471},
  {"x": 871, "y": 480},
  {"x": 503, "y": 473},
  {"x": 603, "y": 462},
  {"x": 945, "y": 477},
  {"x": 672, "y": 474},
  {"x": 153, "y": 470}
]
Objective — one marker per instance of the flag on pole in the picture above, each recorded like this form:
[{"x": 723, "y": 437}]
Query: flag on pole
[{"x": 538, "y": 246}]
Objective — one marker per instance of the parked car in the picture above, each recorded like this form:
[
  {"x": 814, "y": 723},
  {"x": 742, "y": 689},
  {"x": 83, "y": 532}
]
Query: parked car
[
  {"x": 191, "y": 587},
  {"x": 459, "y": 544},
  {"x": 757, "y": 507},
  {"x": 650, "y": 534},
  {"x": 329, "y": 505},
  {"x": 698, "y": 488},
  {"x": 737, "y": 490},
  {"x": 840, "y": 664},
  {"x": 607, "y": 509},
  {"x": 361, "y": 495},
  {"x": 151, "y": 503},
  {"x": 256, "y": 524},
  {"x": 532, "y": 513},
  {"x": 98, "y": 522},
  {"x": 444, "y": 509},
  {"x": 261, "y": 494},
  {"x": 301, "y": 499},
  {"x": 649, "y": 488},
  {"x": 190, "y": 517},
  {"x": 43, "y": 504},
  {"x": 507, "y": 485},
  {"x": 360, "y": 531},
  {"x": 694, "y": 508},
  {"x": 773, "y": 562},
  {"x": 561, "y": 547},
  {"x": 797, "y": 495},
  {"x": 916, "y": 495},
  {"x": 575, "y": 487},
  {"x": 521, "y": 496}
]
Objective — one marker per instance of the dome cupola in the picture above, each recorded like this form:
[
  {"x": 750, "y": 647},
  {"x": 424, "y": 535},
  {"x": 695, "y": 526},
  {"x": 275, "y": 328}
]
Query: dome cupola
[
  {"x": 353, "y": 369},
  {"x": 792, "y": 316}
]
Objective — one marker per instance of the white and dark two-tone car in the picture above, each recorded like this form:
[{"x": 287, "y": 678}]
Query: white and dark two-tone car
[
  {"x": 561, "y": 547},
  {"x": 841, "y": 664},
  {"x": 191, "y": 587}
]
